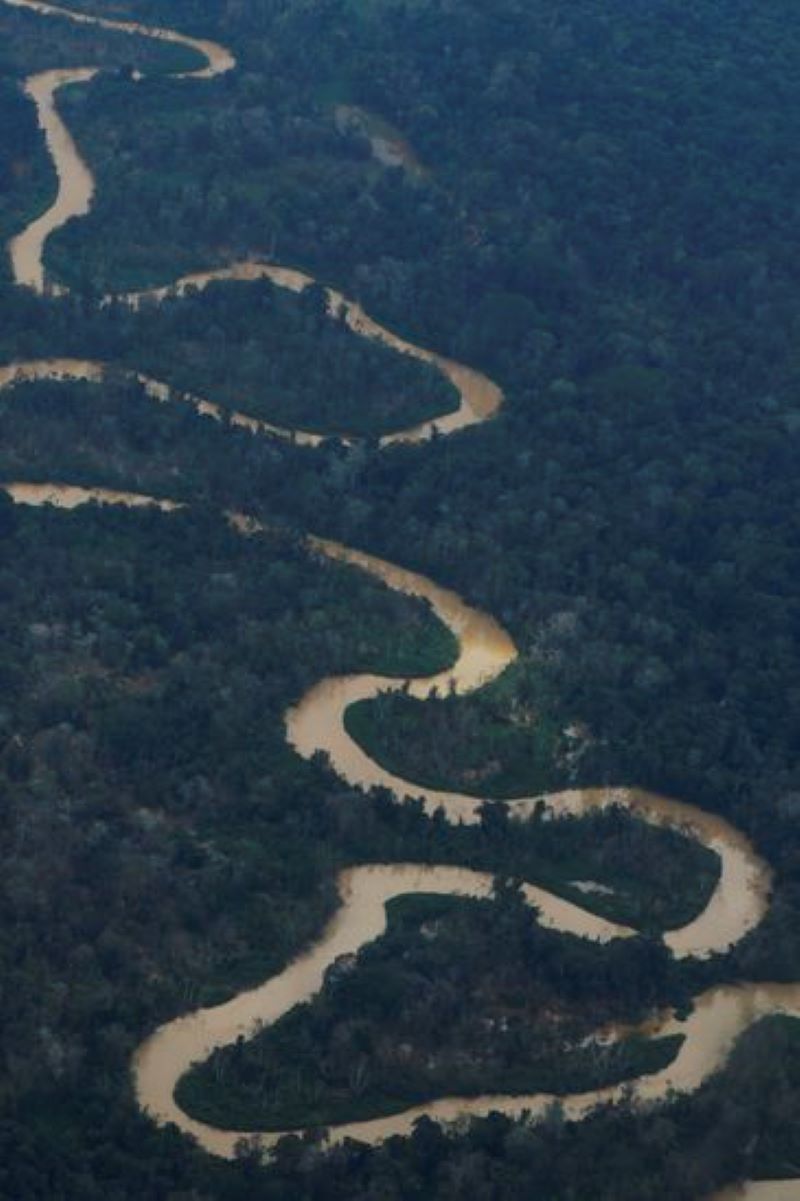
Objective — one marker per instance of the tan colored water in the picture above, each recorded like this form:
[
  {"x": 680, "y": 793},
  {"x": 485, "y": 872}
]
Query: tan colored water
[
  {"x": 761, "y": 1190},
  {"x": 739, "y": 900},
  {"x": 479, "y": 397},
  {"x": 73, "y": 496},
  {"x": 75, "y": 183},
  {"x": 485, "y": 649},
  {"x": 472, "y": 403},
  {"x": 218, "y": 58},
  {"x": 56, "y": 369}
]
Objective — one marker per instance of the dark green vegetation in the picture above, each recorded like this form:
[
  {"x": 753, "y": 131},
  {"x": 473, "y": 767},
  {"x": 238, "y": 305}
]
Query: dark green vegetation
[
  {"x": 163, "y": 846},
  {"x": 609, "y": 227},
  {"x": 252, "y": 347},
  {"x": 26, "y": 177},
  {"x": 503, "y": 742},
  {"x": 146, "y": 665},
  {"x": 247, "y": 345},
  {"x": 392, "y": 1031},
  {"x": 31, "y": 44}
]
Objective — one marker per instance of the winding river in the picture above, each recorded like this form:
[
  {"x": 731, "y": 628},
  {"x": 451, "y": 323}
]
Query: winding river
[{"x": 316, "y": 723}]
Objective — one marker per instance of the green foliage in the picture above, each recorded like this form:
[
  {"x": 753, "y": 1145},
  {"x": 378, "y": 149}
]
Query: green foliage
[
  {"x": 607, "y": 225},
  {"x": 391, "y": 1031},
  {"x": 271, "y": 354},
  {"x": 27, "y": 181}
]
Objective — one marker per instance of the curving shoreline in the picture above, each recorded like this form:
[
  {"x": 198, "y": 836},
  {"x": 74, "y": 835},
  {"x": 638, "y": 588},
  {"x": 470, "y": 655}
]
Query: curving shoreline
[
  {"x": 218, "y": 58},
  {"x": 718, "y": 1018},
  {"x": 75, "y": 180},
  {"x": 472, "y": 390},
  {"x": 75, "y": 187},
  {"x": 316, "y": 723}
]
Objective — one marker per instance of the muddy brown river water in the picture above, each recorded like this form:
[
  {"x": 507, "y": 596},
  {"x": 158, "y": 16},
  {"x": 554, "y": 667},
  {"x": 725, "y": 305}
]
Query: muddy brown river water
[{"x": 316, "y": 723}]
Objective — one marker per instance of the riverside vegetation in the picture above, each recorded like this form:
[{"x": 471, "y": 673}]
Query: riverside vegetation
[{"x": 705, "y": 710}]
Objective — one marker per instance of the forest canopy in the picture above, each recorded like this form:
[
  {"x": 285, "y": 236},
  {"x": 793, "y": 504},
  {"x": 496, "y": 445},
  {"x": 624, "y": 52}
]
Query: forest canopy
[{"x": 604, "y": 221}]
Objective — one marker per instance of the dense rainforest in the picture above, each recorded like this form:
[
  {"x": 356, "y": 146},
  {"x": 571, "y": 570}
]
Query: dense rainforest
[{"x": 600, "y": 213}]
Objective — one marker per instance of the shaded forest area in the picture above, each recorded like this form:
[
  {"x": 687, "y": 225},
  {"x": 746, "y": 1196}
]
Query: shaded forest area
[
  {"x": 32, "y": 43},
  {"x": 163, "y": 845},
  {"x": 608, "y": 226},
  {"x": 24, "y": 170},
  {"x": 391, "y": 1030},
  {"x": 146, "y": 666},
  {"x": 248, "y": 347}
]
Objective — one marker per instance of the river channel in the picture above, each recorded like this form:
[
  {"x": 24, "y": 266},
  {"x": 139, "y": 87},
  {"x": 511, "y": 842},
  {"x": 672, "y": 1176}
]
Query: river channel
[{"x": 316, "y": 723}]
